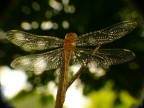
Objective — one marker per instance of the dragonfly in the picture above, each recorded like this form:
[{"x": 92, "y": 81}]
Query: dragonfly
[{"x": 62, "y": 52}]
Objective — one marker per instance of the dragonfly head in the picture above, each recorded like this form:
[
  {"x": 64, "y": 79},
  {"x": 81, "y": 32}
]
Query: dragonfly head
[{"x": 71, "y": 36}]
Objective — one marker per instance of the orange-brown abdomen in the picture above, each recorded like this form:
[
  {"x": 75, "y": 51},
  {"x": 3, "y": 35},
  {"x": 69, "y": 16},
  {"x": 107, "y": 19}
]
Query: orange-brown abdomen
[{"x": 69, "y": 48}]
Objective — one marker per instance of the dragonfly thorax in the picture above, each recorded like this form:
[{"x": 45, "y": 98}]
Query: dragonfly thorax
[
  {"x": 70, "y": 42},
  {"x": 70, "y": 39},
  {"x": 71, "y": 36}
]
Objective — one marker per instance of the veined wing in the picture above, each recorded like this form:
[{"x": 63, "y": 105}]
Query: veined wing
[
  {"x": 31, "y": 41},
  {"x": 115, "y": 56},
  {"x": 39, "y": 62},
  {"x": 106, "y": 35},
  {"x": 105, "y": 56}
]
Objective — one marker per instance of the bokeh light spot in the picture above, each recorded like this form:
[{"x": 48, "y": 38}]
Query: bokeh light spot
[
  {"x": 55, "y": 26},
  {"x": 26, "y": 26},
  {"x": 46, "y": 25},
  {"x": 35, "y": 6},
  {"x": 34, "y": 25},
  {"x": 2, "y": 34},
  {"x": 133, "y": 65},
  {"x": 48, "y": 14},
  {"x": 55, "y": 5},
  {"x": 65, "y": 2},
  {"x": 69, "y": 9},
  {"x": 26, "y": 10},
  {"x": 65, "y": 24}
]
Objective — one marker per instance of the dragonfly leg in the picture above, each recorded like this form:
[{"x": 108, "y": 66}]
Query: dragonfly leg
[{"x": 95, "y": 50}]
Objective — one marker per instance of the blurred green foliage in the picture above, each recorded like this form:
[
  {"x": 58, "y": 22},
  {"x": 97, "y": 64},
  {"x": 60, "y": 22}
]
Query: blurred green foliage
[
  {"x": 33, "y": 100},
  {"x": 106, "y": 97}
]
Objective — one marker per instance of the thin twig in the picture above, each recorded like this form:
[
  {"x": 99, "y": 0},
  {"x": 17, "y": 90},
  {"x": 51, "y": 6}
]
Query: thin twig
[
  {"x": 81, "y": 69},
  {"x": 76, "y": 75}
]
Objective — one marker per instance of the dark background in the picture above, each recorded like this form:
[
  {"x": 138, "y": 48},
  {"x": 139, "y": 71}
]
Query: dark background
[{"x": 89, "y": 15}]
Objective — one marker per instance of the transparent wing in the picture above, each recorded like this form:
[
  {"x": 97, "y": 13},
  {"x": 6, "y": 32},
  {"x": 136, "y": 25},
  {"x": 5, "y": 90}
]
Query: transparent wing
[
  {"x": 105, "y": 56},
  {"x": 39, "y": 62},
  {"x": 106, "y": 35},
  {"x": 115, "y": 56},
  {"x": 31, "y": 41},
  {"x": 80, "y": 57}
]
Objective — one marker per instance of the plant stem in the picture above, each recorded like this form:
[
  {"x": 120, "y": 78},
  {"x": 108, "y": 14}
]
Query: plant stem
[{"x": 59, "y": 103}]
